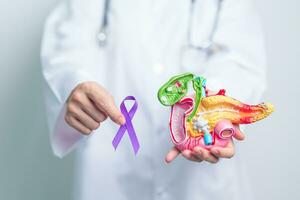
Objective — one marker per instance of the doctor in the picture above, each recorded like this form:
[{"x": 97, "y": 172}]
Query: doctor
[{"x": 96, "y": 52}]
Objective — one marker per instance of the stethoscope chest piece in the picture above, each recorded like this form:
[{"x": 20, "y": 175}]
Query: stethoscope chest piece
[{"x": 102, "y": 37}]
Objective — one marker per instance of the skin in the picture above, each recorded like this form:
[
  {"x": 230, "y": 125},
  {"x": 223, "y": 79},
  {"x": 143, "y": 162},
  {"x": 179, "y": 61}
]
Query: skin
[
  {"x": 213, "y": 155},
  {"x": 199, "y": 154},
  {"x": 89, "y": 104}
]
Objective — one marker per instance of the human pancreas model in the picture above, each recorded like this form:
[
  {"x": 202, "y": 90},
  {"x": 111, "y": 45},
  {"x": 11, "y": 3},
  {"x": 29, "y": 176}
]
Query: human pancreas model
[{"x": 201, "y": 120}]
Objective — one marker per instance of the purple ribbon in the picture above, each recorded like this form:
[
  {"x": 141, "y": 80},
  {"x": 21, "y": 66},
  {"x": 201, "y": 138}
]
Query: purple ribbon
[{"x": 128, "y": 125}]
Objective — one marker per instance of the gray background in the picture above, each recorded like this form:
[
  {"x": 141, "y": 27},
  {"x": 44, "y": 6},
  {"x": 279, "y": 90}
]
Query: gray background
[{"x": 29, "y": 171}]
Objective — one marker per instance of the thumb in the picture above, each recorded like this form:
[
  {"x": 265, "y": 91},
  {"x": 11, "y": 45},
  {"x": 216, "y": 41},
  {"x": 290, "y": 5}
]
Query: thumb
[{"x": 238, "y": 134}]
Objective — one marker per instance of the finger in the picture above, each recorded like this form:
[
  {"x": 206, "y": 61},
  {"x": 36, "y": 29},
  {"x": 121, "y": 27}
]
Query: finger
[
  {"x": 238, "y": 134},
  {"x": 90, "y": 108},
  {"x": 172, "y": 154},
  {"x": 205, "y": 155},
  {"x": 113, "y": 112},
  {"x": 189, "y": 155},
  {"x": 73, "y": 122},
  {"x": 226, "y": 152},
  {"x": 105, "y": 102},
  {"x": 84, "y": 118},
  {"x": 197, "y": 151}
]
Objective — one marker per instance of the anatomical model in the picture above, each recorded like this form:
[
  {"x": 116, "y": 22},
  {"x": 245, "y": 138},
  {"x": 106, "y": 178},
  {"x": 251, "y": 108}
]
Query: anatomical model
[{"x": 201, "y": 120}]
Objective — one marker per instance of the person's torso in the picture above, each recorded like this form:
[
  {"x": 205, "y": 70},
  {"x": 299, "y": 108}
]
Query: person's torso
[{"x": 144, "y": 49}]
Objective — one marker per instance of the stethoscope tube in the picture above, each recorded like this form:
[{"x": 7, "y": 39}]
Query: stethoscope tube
[
  {"x": 205, "y": 47},
  {"x": 102, "y": 35},
  {"x": 207, "y": 44}
]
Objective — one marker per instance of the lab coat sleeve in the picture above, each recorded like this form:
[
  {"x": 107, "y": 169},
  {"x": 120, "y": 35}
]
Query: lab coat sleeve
[
  {"x": 237, "y": 62},
  {"x": 68, "y": 52}
]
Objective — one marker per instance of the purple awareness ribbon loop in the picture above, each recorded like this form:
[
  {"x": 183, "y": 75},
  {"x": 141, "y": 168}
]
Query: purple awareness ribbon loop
[{"x": 127, "y": 126}]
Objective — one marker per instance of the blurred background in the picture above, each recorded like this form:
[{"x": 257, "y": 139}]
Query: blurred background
[{"x": 29, "y": 171}]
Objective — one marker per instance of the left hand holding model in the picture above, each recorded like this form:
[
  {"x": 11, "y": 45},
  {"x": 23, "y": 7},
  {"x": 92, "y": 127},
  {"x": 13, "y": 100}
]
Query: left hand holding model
[{"x": 200, "y": 154}]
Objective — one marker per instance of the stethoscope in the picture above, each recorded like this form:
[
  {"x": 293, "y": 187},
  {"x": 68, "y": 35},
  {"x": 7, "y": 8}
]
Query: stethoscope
[
  {"x": 102, "y": 35},
  {"x": 205, "y": 46}
]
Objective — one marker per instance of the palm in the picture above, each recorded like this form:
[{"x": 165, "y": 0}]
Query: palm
[{"x": 199, "y": 154}]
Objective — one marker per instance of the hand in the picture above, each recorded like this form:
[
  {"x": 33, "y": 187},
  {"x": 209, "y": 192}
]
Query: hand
[
  {"x": 88, "y": 105},
  {"x": 200, "y": 154}
]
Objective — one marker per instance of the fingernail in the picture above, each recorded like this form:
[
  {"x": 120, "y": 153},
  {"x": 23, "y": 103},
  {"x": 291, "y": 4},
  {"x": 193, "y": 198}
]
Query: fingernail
[
  {"x": 166, "y": 161},
  {"x": 122, "y": 120}
]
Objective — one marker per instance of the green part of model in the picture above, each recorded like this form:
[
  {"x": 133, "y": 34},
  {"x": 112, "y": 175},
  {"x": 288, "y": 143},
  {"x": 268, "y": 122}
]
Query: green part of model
[{"x": 177, "y": 87}]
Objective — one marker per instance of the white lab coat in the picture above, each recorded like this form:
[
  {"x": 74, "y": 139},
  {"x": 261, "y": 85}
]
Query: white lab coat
[{"x": 144, "y": 49}]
